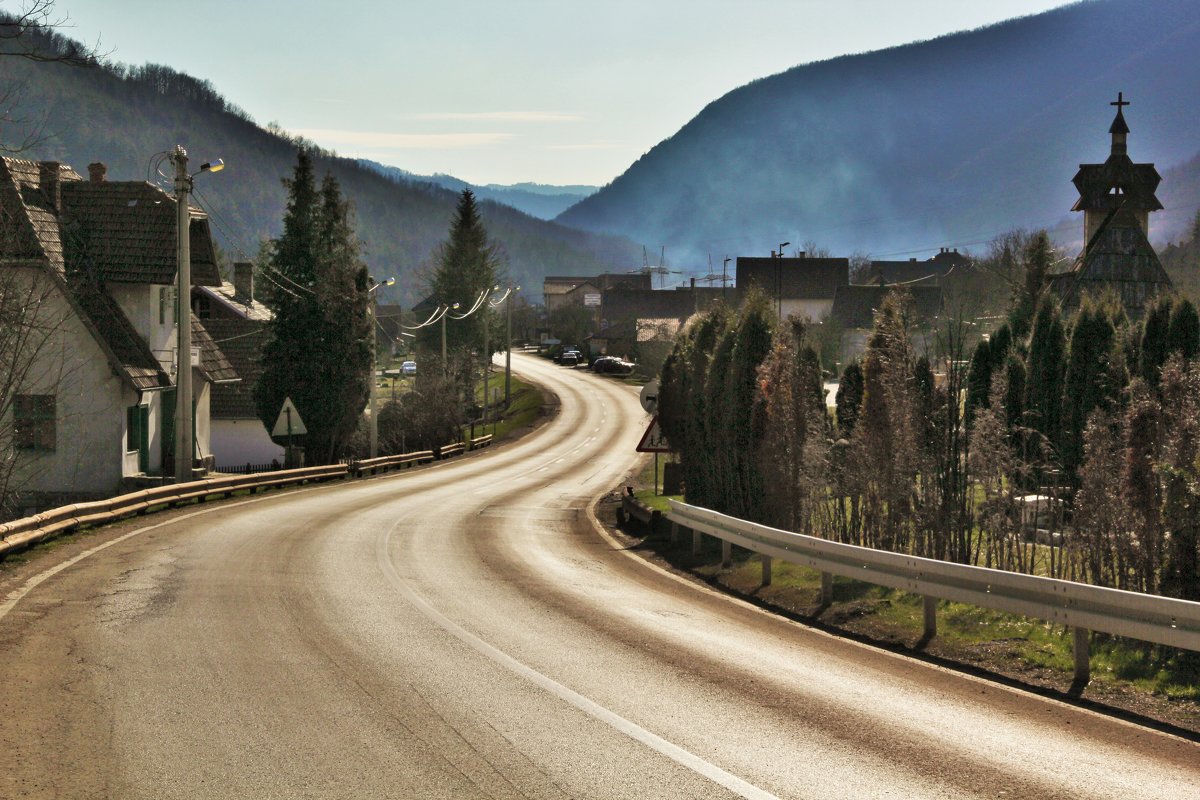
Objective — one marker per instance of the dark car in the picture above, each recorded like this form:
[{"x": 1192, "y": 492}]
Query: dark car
[{"x": 570, "y": 358}]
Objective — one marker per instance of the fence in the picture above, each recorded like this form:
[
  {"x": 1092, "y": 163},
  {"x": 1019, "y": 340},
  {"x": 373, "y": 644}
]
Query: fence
[{"x": 1084, "y": 608}]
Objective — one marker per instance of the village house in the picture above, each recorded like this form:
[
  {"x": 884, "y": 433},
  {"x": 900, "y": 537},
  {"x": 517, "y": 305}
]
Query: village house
[
  {"x": 1116, "y": 199},
  {"x": 237, "y": 322},
  {"x": 801, "y": 287},
  {"x": 92, "y": 389}
]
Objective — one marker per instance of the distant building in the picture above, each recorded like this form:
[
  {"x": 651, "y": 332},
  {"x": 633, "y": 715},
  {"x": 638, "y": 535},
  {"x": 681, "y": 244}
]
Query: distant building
[
  {"x": 802, "y": 287},
  {"x": 1116, "y": 199},
  {"x": 912, "y": 272}
]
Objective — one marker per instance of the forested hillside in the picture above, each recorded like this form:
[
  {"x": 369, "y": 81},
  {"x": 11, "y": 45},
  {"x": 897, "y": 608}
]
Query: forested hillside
[
  {"x": 122, "y": 116},
  {"x": 949, "y": 141}
]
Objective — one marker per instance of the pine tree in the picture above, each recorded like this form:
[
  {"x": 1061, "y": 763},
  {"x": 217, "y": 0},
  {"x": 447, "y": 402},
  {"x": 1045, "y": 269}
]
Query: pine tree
[
  {"x": 979, "y": 380},
  {"x": 466, "y": 268},
  {"x": 318, "y": 351},
  {"x": 849, "y": 398},
  {"x": 1087, "y": 380},
  {"x": 1183, "y": 335},
  {"x": 1155, "y": 344}
]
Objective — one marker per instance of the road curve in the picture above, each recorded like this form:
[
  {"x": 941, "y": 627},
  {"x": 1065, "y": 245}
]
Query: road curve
[{"x": 464, "y": 631}]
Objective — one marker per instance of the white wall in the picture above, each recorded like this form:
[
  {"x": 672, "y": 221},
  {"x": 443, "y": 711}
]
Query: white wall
[
  {"x": 236, "y": 442},
  {"x": 812, "y": 310}
]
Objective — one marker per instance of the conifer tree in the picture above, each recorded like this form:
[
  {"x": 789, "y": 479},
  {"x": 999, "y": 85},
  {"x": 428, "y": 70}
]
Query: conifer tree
[
  {"x": 979, "y": 380},
  {"x": 466, "y": 266},
  {"x": 1183, "y": 335},
  {"x": 1155, "y": 344},
  {"x": 849, "y": 398},
  {"x": 1087, "y": 381},
  {"x": 1044, "y": 374},
  {"x": 318, "y": 350}
]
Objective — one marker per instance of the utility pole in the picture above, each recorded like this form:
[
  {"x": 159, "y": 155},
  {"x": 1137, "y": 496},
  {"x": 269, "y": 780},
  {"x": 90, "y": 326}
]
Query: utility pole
[
  {"x": 487, "y": 360},
  {"x": 508, "y": 346},
  {"x": 372, "y": 313},
  {"x": 724, "y": 278},
  {"x": 183, "y": 320}
]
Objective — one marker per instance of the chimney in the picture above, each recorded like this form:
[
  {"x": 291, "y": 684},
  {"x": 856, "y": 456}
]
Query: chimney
[
  {"x": 693, "y": 284},
  {"x": 243, "y": 280},
  {"x": 97, "y": 172},
  {"x": 912, "y": 259},
  {"x": 48, "y": 175}
]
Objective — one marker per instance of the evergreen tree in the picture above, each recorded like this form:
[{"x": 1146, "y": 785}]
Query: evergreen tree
[
  {"x": 849, "y": 398},
  {"x": 1038, "y": 259},
  {"x": 1155, "y": 344},
  {"x": 318, "y": 350},
  {"x": 466, "y": 267},
  {"x": 1183, "y": 335},
  {"x": 979, "y": 380},
  {"x": 752, "y": 343},
  {"x": 1044, "y": 374},
  {"x": 1087, "y": 382}
]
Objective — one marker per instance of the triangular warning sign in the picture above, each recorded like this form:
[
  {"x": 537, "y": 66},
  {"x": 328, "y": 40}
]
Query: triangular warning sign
[
  {"x": 653, "y": 440},
  {"x": 288, "y": 423}
]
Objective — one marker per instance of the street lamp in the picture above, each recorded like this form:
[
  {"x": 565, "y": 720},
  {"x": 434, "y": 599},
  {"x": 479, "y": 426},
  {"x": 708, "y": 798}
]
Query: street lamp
[
  {"x": 487, "y": 353},
  {"x": 371, "y": 311},
  {"x": 184, "y": 442},
  {"x": 779, "y": 281},
  {"x": 724, "y": 278}
]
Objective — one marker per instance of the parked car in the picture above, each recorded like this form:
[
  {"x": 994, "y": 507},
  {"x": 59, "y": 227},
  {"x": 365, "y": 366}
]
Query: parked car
[
  {"x": 409, "y": 368},
  {"x": 570, "y": 358},
  {"x": 611, "y": 365}
]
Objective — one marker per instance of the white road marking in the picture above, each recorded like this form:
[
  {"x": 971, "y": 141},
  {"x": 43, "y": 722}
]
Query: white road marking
[{"x": 593, "y": 709}]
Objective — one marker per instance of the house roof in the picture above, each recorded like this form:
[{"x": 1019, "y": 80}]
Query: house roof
[
  {"x": 235, "y": 306},
  {"x": 28, "y": 221},
  {"x": 126, "y": 232},
  {"x": 854, "y": 306},
  {"x": 213, "y": 363},
  {"x": 796, "y": 278},
  {"x": 242, "y": 341},
  {"x": 907, "y": 272},
  {"x": 127, "y": 351}
]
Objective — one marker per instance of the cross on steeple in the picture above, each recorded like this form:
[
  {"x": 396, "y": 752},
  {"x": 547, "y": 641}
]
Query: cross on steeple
[{"x": 1120, "y": 101}]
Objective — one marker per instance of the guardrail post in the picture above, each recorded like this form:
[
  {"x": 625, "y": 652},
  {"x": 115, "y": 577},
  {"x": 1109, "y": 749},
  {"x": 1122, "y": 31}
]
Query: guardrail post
[
  {"x": 930, "y": 604},
  {"x": 766, "y": 562},
  {"x": 1083, "y": 668},
  {"x": 826, "y": 588},
  {"x": 726, "y": 553},
  {"x": 696, "y": 542},
  {"x": 674, "y": 532}
]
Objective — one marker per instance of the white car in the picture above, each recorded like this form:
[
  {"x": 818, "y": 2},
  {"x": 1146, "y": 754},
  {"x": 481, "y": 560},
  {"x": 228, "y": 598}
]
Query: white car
[{"x": 409, "y": 368}]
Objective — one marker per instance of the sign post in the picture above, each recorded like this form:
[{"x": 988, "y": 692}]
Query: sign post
[
  {"x": 287, "y": 423},
  {"x": 653, "y": 441}
]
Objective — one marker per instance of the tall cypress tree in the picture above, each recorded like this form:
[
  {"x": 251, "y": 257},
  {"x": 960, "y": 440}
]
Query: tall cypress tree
[
  {"x": 1087, "y": 382},
  {"x": 1044, "y": 374},
  {"x": 1155, "y": 344},
  {"x": 849, "y": 398},
  {"x": 979, "y": 380},
  {"x": 318, "y": 350},
  {"x": 1183, "y": 335}
]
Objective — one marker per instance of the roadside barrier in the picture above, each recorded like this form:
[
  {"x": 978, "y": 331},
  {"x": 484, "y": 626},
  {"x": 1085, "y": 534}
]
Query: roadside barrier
[
  {"x": 1082, "y": 607},
  {"x": 632, "y": 508},
  {"x": 22, "y": 533}
]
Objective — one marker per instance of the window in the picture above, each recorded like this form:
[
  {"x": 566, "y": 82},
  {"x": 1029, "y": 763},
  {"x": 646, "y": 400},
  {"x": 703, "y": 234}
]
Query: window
[{"x": 33, "y": 421}]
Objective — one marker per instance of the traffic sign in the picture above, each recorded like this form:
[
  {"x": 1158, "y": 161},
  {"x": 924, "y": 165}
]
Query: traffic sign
[
  {"x": 649, "y": 397},
  {"x": 653, "y": 440},
  {"x": 288, "y": 423}
]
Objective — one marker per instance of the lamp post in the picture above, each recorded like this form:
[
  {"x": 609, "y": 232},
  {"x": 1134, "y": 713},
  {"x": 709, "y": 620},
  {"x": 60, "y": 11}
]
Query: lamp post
[
  {"x": 371, "y": 311},
  {"x": 779, "y": 281},
  {"x": 724, "y": 278},
  {"x": 184, "y": 441},
  {"x": 487, "y": 353}
]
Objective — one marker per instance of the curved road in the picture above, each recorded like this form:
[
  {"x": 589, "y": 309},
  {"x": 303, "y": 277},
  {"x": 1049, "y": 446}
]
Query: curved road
[{"x": 464, "y": 631}]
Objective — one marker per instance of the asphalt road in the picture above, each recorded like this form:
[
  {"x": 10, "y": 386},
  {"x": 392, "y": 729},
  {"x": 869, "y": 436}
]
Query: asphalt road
[{"x": 464, "y": 631}]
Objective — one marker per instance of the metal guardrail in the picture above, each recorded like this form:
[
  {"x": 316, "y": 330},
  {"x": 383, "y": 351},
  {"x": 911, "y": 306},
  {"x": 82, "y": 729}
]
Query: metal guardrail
[
  {"x": 1150, "y": 618},
  {"x": 481, "y": 441},
  {"x": 373, "y": 466},
  {"x": 24, "y": 532}
]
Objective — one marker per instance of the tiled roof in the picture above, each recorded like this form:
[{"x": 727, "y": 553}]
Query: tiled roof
[
  {"x": 125, "y": 232},
  {"x": 855, "y": 306},
  {"x": 128, "y": 351},
  {"x": 242, "y": 342},
  {"x": 226, "y": 297},
  {"x": 28, "y": 225},
  {"x": 213, "y": 363},
  {"x": 913, "y": 271},
  {"x": 798, "y": 278}
]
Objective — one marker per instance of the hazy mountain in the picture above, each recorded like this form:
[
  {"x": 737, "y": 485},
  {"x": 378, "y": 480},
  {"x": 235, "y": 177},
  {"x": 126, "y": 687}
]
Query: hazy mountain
[
  {"x": 122, "y": 116},
  {"x": 535, "y": 199},
  {"x": 945, "y": 142}
]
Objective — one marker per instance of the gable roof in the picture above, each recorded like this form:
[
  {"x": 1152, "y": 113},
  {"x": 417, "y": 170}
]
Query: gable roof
[
  {"x": 1118, "y": 257},
  {"x": 128, "y": 352},
  {"x": 242, "y": 341},
  {"x": 125, "y": 231},
  {"x": 213, "y": 363},
  {"x": 796, "y": 278},
  {"x": 234, "y": 306},
  {"x": 28, "y": 219},
  {"x": 854, "y": 306}
]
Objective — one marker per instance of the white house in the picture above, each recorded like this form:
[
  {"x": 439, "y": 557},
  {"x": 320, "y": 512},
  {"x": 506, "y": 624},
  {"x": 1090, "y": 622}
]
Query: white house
[{"x": 88, "y": 399}]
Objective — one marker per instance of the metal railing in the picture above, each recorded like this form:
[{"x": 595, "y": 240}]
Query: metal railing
[
  {"x": 1082, "y": 607},
  {"x": 372, "y": 466}
]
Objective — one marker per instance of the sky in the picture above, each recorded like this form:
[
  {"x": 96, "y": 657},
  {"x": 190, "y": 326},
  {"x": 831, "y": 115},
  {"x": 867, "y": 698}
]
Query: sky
[{"x": 550, "y": 91}]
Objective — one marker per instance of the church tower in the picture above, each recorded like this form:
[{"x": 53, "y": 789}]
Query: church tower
[{"x": 1116, "y": 199}]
